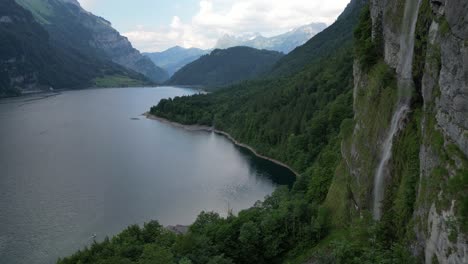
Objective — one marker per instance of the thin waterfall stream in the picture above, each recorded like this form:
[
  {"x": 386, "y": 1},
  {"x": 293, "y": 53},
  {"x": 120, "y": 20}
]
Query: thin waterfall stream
[{"x": 405, "y": 89}]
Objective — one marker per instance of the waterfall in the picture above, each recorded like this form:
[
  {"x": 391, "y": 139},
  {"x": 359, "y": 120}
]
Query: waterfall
[{"x": 405, "y": 89}]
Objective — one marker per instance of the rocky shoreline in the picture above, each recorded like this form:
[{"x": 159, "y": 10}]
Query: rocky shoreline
[{"x": 227, "y": 135}]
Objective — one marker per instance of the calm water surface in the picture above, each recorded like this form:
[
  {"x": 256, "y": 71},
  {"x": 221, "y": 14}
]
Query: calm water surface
[{"x": 87, "y": 162}]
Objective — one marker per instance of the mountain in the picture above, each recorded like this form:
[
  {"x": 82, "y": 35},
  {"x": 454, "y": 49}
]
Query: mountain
[
  {"x": 222, "y": 67},
  {"x": 323, "y": 44},
  {"x": 283, "y": 43},
  {"x": 31, "y": 60},
  {"x": 71, "y": 26},
  {"x": 175, "y": 58}
]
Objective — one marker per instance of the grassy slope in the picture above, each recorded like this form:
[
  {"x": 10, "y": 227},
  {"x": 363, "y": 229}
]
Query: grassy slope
[{"x": 118, "y": 81}]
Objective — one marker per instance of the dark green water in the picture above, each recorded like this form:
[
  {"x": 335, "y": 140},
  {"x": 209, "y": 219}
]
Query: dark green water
[{"x": 86, "y": 162}]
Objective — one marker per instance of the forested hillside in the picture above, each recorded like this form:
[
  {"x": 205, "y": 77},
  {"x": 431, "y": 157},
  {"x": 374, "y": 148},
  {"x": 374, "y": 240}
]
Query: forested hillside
[
  {"x": 222, "y": 67},
  {"x": 296, "y": 120},
  {"x": 323, "y": 44},
  {"x": 31, "y": 60},
  {"x": 336, "y": 121}
]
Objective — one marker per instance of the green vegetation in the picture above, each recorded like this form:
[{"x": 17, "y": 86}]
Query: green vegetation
[
  {"x": 323, "y": 44},
  {"x": 400, "y": 197},
  {"x": 421, "y": 43},
  {"x": 307, "y": 120},
  {"x": 40, "y": 9},
  {"x": 367, "y": 48},
  {"x": 222, "y": 67},
  {"x": 29, "y": 53},
  {"x": 444, "y": 26},
  {"x": 299, "y": 120},
  {"x": 296, "y": 120},
  {"x": 291, "y": 120},
  {"x": 118, "y": 81}
]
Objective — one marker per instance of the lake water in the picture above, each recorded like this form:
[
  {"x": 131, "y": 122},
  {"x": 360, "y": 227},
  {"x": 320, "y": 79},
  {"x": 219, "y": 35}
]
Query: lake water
[{"x": 86, "y": 162}]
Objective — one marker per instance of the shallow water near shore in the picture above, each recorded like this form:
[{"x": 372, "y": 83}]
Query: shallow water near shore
[{"x": 86, "y": 162}]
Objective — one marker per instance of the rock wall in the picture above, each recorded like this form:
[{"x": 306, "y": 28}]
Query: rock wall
[{"x": 440, "y": 108}]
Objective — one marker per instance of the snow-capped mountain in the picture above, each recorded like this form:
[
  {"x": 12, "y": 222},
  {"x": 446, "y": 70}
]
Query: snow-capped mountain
[{"x": 284, "y": 43}]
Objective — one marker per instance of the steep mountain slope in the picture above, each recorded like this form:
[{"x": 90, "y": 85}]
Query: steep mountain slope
[
  {"x": 71, "y": 26},
  {"x": 323, "y": 44},
  {"x": 282, "y": 43},
  {"x": 222, "y": 67},
  {"x": 175, "y": 58},
  {"x": 30, "y": 60},
  {"x": 424, "y": 199}
]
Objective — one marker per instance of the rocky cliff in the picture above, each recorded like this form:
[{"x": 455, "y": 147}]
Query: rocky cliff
[
  {"x": 119, "y": 49},
  {"x": 425, "y": 190}
]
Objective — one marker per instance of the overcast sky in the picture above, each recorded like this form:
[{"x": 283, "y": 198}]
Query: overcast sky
[{"x": 155, "y": 25}]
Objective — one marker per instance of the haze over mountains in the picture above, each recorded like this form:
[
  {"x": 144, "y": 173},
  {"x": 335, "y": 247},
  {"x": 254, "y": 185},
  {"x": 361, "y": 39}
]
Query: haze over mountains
[
  {"x": 175, "y": 58},
  {"x": 283, "y": 43}
]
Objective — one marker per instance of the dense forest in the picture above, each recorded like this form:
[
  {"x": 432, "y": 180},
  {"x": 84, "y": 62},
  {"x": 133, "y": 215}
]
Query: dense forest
[
  {"x": 309, "y": 117},
  {"x": 323, "y": 44},
  {"x": 223, "y": 67},
  {"x": 296, "y": 120}
]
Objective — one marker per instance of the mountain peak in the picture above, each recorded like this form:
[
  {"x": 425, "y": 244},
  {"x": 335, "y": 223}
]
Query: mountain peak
[{"x": 283, "y": 43}]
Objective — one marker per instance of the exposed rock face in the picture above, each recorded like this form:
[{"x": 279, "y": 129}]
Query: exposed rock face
[
  {"x": 457, "y": 16},
  {"x": 445, "y": 87},
  {"x": 120, "y": 50},
  {"x": 117, "y": 47},
  {"x": 388, "y": 12},
  {"x": 452, "y": 107},
  {"x": 444, "y": 98}
]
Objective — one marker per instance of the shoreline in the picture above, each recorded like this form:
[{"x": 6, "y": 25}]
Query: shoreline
[{"x": 219, "y": 132}]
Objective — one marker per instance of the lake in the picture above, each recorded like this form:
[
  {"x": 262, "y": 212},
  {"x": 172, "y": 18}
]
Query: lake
[{"x": 85, "y": 163}]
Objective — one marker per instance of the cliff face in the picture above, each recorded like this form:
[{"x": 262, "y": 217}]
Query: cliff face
[
  {"x": 425, "y": 179},
  {"x": 118, "y": 48}
]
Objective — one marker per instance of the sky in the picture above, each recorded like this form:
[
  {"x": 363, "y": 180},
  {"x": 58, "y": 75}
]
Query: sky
[{"x": 155, "y": 25}]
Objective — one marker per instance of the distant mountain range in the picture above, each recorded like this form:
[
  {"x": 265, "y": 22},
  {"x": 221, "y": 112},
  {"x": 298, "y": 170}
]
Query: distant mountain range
[
  {"x": 223, "y": 67},
  {"x": 283, "y": 43},
  {"x": 175, "y": 58}
]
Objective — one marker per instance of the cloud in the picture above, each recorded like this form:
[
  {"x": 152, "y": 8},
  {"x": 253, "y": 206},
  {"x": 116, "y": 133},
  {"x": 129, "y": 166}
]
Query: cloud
[
  {"x": 87, "y": 4},
  {"x": 218, "y": 17}
]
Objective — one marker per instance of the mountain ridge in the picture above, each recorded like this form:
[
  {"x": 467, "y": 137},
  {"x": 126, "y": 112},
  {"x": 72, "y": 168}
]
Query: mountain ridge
[
  {"x": 285, "y": 42},
  {"x": 31, "y": 60},
  {"x": 223, "y": 67},
  {"x": 173, "y": 59},
  {"x": 91, "y": 34}
]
